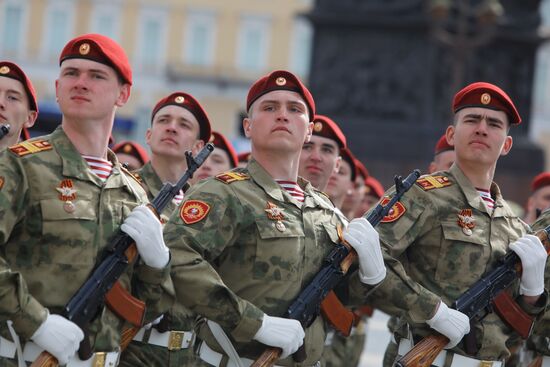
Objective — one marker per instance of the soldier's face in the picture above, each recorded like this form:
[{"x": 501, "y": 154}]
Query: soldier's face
[
  {"x": 14, "y": 109},
  {"x": 320, "y": 158},
  {"x": 355, "y": 196},
  {"x": 480, "y": 136},
  {"x": 174, "y": 131},
  {"x": 88, "y": 90},
  {"x": 340, "y": 183},
  {"x": 368, "y": 202},
  {"x": 279, "y": 121},
  {"x": 217, "y": 162}
]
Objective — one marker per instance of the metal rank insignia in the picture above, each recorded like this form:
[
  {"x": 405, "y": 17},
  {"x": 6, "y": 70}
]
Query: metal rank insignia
[
  {"x": 275, "y": 213},
  {"x": 67, "y": 194},
  {"x": 466, "y": 221}
]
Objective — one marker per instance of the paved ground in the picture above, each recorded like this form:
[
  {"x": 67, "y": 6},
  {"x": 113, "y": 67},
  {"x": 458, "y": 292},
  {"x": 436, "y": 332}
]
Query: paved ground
[{"x": 377, "y": 340}]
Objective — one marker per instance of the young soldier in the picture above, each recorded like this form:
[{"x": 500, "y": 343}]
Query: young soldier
[
  {"x": 132, "y": 155},
  {"x": 245, "y": 242},
  {"x": 444, "y": 156},
  {"x": 178, "y": 124},
  {"x": 341, "y": 182},
  {"x": 355, "y": 196},
  {"x": 222, "y": 159},
  {"x": 18, "y": 107},
  {"x": 450, "y": 229},
  {"x": 64, "y": 195},
  {"x": 320, "y": 156},
  {"x": 539, "y": 200}
]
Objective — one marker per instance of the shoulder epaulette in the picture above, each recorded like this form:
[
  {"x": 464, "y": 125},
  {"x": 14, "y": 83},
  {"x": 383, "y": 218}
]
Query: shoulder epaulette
[
  {"x": 433, "y": 182},
  {"x": 30, "y": 147},
  {"x": 228, "y": 177},
  {"x": 134, "y": 175}
]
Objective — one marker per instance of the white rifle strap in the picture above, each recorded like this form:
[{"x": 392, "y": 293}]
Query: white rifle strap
[
  {"x": 17, "y": 342},
  {"x": 224, "y": 342}
]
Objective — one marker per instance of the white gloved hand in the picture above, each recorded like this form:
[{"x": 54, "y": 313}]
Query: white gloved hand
[
  {"x": 533, "y": 260},
  {"x": 145, "y": 228},
  {"x": 451, "y": 323},
  {"x": 59, "y": 336},
  {"x": 361, "y": 235},
  {"x": 279, "y": 332}
]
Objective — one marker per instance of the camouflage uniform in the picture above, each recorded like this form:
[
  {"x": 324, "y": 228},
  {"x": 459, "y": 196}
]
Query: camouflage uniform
[
  {"x": 50, "y": 246},
  {"x": 178, "y": 318},
  {"x": 236, "y": 261},
  {"x": 430, "y": 255},
  {"x": 345, "y": 351},
  {"x": 540, "y": 339}
]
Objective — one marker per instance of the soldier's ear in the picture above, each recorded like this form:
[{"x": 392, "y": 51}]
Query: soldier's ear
[
  {"x": 507, "y": 145},
  {"x": 450, "y": 134},
  {"x": 247, "y": 126},
  {"x": 148, "y": 136},
  {"x": 309, "y": 132}
]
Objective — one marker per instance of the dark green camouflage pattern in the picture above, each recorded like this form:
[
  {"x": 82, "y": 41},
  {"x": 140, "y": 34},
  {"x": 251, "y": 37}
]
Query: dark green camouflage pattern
[{"x": 48, "y": 252}]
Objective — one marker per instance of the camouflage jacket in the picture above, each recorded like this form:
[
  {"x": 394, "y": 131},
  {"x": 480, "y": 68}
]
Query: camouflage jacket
[
  {"x": 57, "y": 216},
  {"x": 541, "y": 334},
  {"x": 180, "y": 317},
  {"x": 437, "y": 242},
  {"x": 242, "y": 246}
]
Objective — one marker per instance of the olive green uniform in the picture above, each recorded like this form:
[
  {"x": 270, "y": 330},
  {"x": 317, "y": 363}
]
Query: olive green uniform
[
  {"x": 57, "y": 217},
  {"x": 178, "y": 318},
  {"x": 432, "y": 253},
  {"x": 248, "y": 248}
]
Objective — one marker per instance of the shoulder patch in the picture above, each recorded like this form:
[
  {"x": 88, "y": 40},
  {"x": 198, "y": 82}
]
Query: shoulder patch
[
  {"x": 193, "y": 211},
  {"x": 228, "y": 177},
  {"x": 396, "y": 211},
  {"x": 30, "y": 147},
  {"x": 433, "y": 182}
]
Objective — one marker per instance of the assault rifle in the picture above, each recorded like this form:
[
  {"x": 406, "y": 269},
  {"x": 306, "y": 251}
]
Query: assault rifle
[
  {"x": 306, "y": 306},
  {"x": 102, "y": 284},
  {"x": 487, "y": 295}
]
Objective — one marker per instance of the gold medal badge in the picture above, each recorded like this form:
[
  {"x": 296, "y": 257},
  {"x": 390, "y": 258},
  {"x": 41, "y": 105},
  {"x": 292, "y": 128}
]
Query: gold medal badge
[
  {"x": 466, "y": 221},
  {"x": 67, "y": 193},
  {"x": 275, "y": 213}
]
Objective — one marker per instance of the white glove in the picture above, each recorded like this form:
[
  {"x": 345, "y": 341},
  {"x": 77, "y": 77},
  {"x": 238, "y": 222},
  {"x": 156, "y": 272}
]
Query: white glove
[
  {"x": 279, "y": 332},
  {"x": 364, "y": 239},
  {"x": 533, "y": 260},
  {"x": 451, "y": 323},
  {"x": 58, "y": 336},
  {"x": 145, "y": 228}
]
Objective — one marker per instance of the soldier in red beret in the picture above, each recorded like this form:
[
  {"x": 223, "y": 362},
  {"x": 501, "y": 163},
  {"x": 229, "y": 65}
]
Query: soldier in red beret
[
  {"x": 373, "y": 193},
  {"x": 320, "y": 156},
  {"x": 18, "y": 107},
  {"x": 65, "y": 195},
  {"x": 341, "y": 182},
  {"x": 223, "y": 158},
  {"x": 449, "y": 229},
  {"x": 539, "y": 200},
  {"x": 131, "y": 154},
  {"x": 444, "y": 156},
  {"x": 353, "y": 198},
  {"x": 246, "y": 241}
]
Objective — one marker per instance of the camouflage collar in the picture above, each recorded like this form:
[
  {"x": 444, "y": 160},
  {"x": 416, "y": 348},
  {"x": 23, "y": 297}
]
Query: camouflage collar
[
  {"x": 150, "y": 179},
  {"x": 264, "y": 180}
]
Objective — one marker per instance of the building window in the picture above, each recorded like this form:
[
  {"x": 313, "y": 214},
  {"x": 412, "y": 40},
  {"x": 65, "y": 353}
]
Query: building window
[
  {"x": 151, "y": 49},
  {"x": 200, "y": 33},
  {"x": 300, "y": 53},
  {"x": 253, "y": 43},
  {"x": 106, "y": 20},
  {"x": 59, "y": 27},
  {"x": 12, "y": 40}
]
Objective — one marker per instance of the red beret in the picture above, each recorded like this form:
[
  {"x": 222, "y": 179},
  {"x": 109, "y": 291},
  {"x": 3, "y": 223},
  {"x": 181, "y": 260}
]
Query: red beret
[
  {"x": 280, "y": 80},
  {"x": 442, "y": 145},
  {"x": 327, "y": 128},
  {"x": 221, "y": 142},
  {"x": 373, "y": 187},
  {"x": 187, "y": 101},
  {"x": 132, "y": 148},
  {"x": 10, "y": 70},
  {"x": 244, "y": 157},
  {"x": 540, "y": 181},
  {"x": 361, "y": 169},
  {"x": 99, "y": 48},
  {"x": 486, "y": 95},
  {"x": 348, "y": 156}
]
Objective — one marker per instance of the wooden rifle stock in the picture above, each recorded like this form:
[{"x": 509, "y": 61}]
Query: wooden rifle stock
[
  {"x": 537, "y": 362},
  {"x": 268, "y": 357},
  {"x": 424, "y": 352}
]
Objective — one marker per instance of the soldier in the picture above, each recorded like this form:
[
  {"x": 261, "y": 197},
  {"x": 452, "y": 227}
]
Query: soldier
[
  {"x": 320, "y": 156},
  {"x": 444, "y": 156},
  {"x": 539, "y": 200},
  {"x": 341, "y": 182},
  {"x": 373, "y": 193},
  {"x": 18, "y": 107},
  {"x": 450, "y": 228},
  {"x": 222, "y": 159},
  {"x": 178, "y": 124},
  {"x": 132, "y": 155},
  {"x": 355, "y": 196},
  {"x": 244, "y": 243},
  {"x": 64, "y": 195}
]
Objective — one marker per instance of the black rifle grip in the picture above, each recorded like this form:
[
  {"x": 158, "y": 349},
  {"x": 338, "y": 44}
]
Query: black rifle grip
[{"x": 85, "y": 348}]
